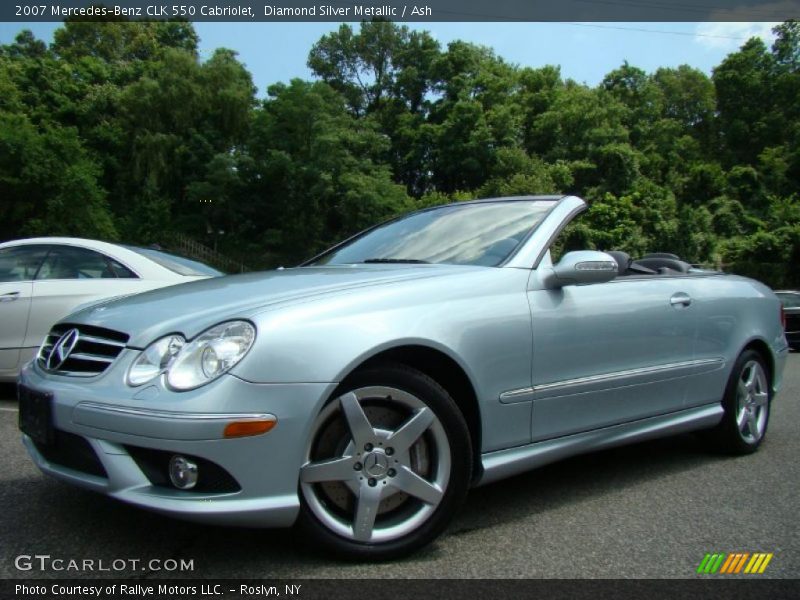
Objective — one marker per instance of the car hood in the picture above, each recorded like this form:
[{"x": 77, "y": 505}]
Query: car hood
[{"x": 190, "y": 308}]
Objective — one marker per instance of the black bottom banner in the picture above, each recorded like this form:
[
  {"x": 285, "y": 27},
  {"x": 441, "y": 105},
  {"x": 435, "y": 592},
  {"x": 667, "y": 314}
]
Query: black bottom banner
[{"x": 416, "y": 589}]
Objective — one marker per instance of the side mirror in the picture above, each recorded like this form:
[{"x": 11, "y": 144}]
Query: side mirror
[{"x": 583, "y": 266}]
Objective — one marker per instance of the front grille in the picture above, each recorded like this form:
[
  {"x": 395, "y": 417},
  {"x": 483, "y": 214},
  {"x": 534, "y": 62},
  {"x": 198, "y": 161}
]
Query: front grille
[
  {"x": 72, "y": 451},
  {"x": 155, "y": 465},
  {"x": 96, "y": 348}
]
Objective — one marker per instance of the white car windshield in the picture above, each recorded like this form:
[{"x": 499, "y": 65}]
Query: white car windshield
[{"x": 176, "y": 264}]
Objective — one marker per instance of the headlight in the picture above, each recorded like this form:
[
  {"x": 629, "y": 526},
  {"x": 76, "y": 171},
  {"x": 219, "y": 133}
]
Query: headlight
[
  {"x": 155, "y": 359},
  {"x": 210, "y": 354}
]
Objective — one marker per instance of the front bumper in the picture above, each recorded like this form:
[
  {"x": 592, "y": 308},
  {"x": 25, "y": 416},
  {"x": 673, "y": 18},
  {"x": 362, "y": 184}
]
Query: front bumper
[{"x": 118, "y": 421}]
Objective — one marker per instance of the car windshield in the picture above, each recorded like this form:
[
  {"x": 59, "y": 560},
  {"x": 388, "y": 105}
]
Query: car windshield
[
  {"x": 482, "y": 233},
  {"x": 177, "y": 264}
]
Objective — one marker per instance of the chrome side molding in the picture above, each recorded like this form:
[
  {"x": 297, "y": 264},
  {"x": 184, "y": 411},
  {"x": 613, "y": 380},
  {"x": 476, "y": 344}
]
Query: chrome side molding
[{"x": 529, "y": 393}]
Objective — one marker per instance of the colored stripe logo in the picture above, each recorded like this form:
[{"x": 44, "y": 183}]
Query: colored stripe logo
[{"x": 734, "y": 563}]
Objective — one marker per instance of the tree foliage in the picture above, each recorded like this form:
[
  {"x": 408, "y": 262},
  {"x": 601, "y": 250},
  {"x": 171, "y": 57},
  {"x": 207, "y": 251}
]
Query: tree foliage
[{"x": 120, "y": 131}]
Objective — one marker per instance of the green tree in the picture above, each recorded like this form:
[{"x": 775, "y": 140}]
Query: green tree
[
  {"x": 745, "y": 103},
  {"x": 315, "y": 176},
  {"x": 48, "y": 183}
]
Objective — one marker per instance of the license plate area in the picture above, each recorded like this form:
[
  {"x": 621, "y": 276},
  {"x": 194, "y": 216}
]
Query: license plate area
[{"x": 36, "y": 414}]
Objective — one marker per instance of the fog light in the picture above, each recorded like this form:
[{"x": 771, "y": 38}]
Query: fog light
[{"x": 182, "y": 472}]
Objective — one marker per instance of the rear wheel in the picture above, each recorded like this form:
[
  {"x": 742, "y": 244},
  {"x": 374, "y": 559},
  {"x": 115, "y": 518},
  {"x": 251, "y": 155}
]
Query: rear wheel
[
  {"x": 747, "y": 404},
  {"x": 388, "y": 462}
]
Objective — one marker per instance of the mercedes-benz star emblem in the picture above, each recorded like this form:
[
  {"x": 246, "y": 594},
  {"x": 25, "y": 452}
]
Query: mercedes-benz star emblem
[
  {"x": 376, "y": 464},
  {"x": 60, "y": 352}
]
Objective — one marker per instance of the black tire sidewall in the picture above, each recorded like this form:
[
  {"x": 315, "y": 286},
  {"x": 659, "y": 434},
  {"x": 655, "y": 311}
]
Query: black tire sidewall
[{"x": 432, "y": 394}]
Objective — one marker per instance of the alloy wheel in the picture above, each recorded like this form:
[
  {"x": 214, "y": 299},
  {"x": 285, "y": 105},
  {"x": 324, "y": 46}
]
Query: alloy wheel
[
  {"x": 752, "y": 402},
  {"x": 378, "y": 464}
]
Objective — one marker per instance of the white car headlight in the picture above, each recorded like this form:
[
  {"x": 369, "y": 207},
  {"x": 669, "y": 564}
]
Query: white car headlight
[
  {"x": 155, "y": 359},
  {"x": 210, "y": 354}
]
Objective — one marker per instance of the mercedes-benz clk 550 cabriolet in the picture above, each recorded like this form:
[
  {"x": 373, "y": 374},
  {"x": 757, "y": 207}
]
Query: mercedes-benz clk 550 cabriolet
[{"x": 363, "y": 393}]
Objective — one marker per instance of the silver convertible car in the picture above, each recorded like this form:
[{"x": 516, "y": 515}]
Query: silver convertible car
[{"x": 363, "y": 393}]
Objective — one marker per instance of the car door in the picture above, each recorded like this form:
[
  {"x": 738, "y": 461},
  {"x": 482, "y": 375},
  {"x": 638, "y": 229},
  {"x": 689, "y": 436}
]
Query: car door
[
  {"x": 69, "y": 277},
  {"x": 608, "y": 353},
  {"x": 18, "y": 267},
  {"x": 718, "y": 303}
]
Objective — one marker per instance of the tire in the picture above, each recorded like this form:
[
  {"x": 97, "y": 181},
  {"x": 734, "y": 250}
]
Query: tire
[
  {"x": 747, "y": 405},
  {"x": 388, "y": 463}
]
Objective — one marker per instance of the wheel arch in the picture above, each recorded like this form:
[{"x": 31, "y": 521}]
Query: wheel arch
[
  {"x": 762, "y": 348},
  {"x": 447, "y": 372}
]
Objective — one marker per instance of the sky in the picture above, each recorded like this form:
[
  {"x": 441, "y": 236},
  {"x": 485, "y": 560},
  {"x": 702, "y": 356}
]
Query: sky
[{"x": 585, "y": 52}]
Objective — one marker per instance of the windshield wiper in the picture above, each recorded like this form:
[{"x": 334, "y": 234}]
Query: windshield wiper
[{"x": 396, "y": 260}]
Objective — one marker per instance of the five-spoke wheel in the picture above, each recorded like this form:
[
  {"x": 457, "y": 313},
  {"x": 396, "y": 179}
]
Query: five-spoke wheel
[
  {"x": 387, "y": 462},
  {"x": 746, "y": 404},
  {"x": 752, "y": 402}
]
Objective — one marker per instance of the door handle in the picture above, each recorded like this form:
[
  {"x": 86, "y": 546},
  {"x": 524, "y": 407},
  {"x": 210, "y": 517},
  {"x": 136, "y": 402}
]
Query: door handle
[
  {"x": 680, "y": 300},
  {"x": 9, "y": 297}
]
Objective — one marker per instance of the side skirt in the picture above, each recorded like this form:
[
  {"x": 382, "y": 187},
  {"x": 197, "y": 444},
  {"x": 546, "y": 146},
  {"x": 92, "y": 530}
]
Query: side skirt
[{"x": 512, "y": 461}]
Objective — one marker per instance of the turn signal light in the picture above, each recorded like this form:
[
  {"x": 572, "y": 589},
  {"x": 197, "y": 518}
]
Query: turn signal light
[{"x": 246, "y": 428}]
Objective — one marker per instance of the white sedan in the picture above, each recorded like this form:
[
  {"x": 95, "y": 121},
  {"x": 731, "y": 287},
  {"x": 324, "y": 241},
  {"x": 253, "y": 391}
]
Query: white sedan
[{"x": 44, "y": 279}]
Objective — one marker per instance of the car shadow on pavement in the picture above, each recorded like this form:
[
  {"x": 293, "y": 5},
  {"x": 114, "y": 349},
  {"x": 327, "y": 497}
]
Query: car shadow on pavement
[{"x": 582, "y": 477}]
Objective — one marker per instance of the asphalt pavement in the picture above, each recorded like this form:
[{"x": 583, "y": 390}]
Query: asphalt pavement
[{"x": 650, "y": 510}]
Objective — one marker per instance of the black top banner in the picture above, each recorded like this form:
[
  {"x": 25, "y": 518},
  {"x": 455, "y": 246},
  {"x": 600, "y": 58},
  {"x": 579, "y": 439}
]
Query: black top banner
[{"x": 403, "y": 11}]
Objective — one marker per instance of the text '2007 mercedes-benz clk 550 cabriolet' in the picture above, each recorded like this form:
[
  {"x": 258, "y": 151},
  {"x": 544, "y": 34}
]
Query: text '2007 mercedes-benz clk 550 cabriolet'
[{"x": 362, "y": 393}]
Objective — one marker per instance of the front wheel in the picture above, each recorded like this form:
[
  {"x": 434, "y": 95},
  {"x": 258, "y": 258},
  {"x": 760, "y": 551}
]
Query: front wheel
[
  {"x": 388, "y": 462},
  {"x": 747, "y": 404}
]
